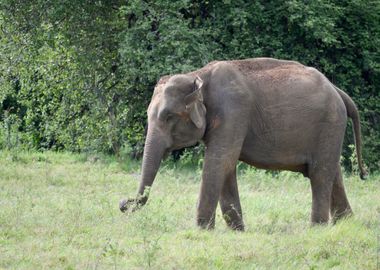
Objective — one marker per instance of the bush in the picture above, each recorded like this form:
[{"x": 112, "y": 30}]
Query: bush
[{"x": 80, "y": 76}]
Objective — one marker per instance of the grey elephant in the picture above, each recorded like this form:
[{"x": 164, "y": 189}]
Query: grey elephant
[{"x": 269, "y": 113}]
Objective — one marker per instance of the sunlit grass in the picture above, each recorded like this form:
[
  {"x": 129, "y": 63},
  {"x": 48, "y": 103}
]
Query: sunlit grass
[{"x": 60, "y": 211}]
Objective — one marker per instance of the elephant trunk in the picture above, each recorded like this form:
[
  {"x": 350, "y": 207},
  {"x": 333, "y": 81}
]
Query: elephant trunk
[
  {"x": 154, "y": 150},
  {"x": 153, "y": 153}
]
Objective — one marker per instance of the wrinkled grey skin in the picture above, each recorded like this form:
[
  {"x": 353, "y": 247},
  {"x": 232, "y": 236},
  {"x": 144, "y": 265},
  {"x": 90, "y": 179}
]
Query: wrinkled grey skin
[{"x": 269, "y": 113}]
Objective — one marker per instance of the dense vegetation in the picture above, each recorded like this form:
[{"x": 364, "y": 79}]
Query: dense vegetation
[
  {"x": 78, "y": 75},
  {"x": 60, "y": 211}
]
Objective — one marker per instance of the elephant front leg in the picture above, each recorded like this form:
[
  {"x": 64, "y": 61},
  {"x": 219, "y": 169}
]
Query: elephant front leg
[
  {"x": 216, "y": 170},
  {"x": 208, "y": 199},
  {"x": 207, "y": 203},
  {"x": 230, "y": 203}
]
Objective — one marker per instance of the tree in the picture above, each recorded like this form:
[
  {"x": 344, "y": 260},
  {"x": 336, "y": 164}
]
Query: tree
[{"x": 78, "y": 75}]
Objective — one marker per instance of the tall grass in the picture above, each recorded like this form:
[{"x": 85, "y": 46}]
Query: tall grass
[{"x": 60, "y": 211}]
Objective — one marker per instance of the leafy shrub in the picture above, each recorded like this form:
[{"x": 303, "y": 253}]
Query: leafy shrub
[{"x": 79, "y": 75}]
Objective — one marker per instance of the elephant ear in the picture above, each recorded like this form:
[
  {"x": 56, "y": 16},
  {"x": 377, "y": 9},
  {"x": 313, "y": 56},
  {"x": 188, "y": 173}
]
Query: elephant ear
[{"x": 195, "y": 106}]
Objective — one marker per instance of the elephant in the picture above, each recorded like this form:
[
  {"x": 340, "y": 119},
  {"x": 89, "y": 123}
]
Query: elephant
[{"x": 271, "y": 114}]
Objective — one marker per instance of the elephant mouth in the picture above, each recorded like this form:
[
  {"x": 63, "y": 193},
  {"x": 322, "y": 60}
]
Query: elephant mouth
[{"x": 166, "y": 154}]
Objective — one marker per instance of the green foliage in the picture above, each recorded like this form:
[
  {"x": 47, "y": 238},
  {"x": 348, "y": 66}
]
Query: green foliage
[{"x": 78, "y": 75}]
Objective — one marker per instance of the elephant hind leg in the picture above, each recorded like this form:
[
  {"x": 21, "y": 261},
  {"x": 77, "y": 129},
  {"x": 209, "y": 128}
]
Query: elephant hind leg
[
  {"x": 321, "y": 179},
  {"x": 340, "y": 206},
  {"x": 323, "y": 169},
  {"x": 230, "y": 203}
]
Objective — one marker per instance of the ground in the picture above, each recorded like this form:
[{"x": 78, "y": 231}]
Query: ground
[{"x": 60, "y": 211}]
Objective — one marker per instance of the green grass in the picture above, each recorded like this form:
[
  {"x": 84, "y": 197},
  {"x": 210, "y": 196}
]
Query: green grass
[{"x": 60, "y": 211}]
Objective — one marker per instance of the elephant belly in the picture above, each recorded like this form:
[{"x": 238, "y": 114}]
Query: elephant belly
[
  {"x": 264, "y": 153},
  {"x": 275, "y": 165}
]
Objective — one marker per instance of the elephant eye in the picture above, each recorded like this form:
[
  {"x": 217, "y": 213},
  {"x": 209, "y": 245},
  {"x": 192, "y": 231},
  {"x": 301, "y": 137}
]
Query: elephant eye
[
  {"x": 163, "y": 115},
  {"x": 169, "y": 117}
]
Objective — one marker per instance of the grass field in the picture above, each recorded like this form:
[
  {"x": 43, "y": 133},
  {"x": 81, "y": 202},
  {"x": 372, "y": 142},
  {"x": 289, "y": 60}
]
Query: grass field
[{"x": 60, "y": 211}]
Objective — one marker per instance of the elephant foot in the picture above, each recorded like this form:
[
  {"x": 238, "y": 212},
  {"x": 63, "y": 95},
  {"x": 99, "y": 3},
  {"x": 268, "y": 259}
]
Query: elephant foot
[
  {"x": 234, "y": 220},
  {"x": 318, "y": 223},
  {"x": 237, "y": 226},
  {"x": 319, "y": 219},
  {"x": 206, "y": 223},
  {"x": 341, "y": 215}
]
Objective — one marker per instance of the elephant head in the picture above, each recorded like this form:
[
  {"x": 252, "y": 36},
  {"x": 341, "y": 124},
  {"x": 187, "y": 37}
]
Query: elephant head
[{"x": 176, "y": 119}]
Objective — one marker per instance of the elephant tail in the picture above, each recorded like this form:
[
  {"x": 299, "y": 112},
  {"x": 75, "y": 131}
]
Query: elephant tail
[{"x": 353, "y": 113}]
